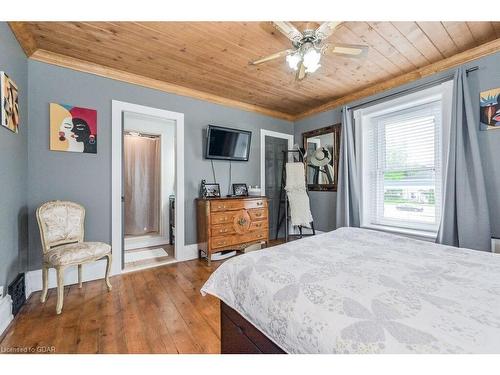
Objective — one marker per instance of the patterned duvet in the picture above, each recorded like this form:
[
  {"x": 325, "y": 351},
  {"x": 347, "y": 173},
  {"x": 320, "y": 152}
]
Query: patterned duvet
[{"x": 361, "y": 291}]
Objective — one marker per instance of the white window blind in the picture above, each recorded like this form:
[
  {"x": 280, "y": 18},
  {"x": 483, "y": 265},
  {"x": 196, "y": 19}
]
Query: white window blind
[{"x": 403, "y": 177}]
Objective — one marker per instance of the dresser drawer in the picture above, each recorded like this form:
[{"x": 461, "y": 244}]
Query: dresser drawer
[
  {"x": 218, "y": 242},
  {"x": 255, "y": 235},
  {"x": 235, "y": 240},
  {"x": 222, "y": 229},
  {"x": 236, "y": 204},
  {"x": 226, "y": 217},
  {"x": 258, "y": 225},
  {"x": 258, "y": 213}
]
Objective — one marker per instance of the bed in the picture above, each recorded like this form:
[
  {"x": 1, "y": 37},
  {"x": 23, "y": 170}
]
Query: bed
[{"x": 359, "y": 291}]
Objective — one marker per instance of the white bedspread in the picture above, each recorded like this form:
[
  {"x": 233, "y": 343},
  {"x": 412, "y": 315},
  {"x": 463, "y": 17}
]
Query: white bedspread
[{"x": 361, "y": 291}]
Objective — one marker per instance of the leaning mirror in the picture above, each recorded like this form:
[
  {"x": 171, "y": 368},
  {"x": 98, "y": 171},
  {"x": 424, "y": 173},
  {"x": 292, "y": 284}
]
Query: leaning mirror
[{"x": 322, "y": 157}]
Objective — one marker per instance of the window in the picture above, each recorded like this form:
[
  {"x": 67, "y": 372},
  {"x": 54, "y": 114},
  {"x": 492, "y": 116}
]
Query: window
[{"x": 401, "y": 163}]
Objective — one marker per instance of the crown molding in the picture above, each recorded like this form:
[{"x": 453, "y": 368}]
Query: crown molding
[
  {"x": 29, "y": 45},
  {"x": 120, "y": 75},
  {"x": 434, "y": 68}
]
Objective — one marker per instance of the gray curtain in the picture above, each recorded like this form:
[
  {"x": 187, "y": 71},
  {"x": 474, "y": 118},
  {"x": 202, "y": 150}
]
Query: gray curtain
[
  {"x": 347, "y": 214},
  {"x": 141, "y": 163},
  {"x": 465, "y": 219}
]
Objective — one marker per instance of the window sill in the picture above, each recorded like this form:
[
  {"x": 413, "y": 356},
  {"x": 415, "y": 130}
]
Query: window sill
[{"x": 412, "y": 233}]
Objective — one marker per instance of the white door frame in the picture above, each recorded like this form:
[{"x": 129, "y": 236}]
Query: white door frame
[
  {"x": 165, "y": 130},
  {"x": 263, "y": 134},
  {"x": 118, "y": 108}
]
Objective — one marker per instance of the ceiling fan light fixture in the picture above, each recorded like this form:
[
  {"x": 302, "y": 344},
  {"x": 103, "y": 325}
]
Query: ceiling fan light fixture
[
  {"x": 311, "y": 59},
  {"x": 293, "y": 60},
  {"x": 312, "y": 68},
  {"x": 309, "y": 46}
]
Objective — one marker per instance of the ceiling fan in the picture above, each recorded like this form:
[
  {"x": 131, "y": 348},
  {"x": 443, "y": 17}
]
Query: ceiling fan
[{"x": 308, "y": 47}]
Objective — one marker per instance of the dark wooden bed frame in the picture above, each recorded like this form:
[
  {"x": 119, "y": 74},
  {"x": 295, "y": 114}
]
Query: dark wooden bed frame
[{"x": 239, "y": 336}]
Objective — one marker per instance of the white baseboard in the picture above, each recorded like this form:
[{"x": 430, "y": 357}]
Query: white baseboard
[
  {"x": 495, "y": 245},
  {"x": 5, "y": 312},
  {"x": 91, "y": 271},
  {"x": 189, "y": 252}
]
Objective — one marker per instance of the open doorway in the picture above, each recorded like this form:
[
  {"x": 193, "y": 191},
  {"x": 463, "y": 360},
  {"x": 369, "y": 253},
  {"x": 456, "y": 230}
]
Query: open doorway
[
  {"x": 148, "y": 178},
  {"x": 273, "y": 144},
  {"x": 148, "y": 189}
]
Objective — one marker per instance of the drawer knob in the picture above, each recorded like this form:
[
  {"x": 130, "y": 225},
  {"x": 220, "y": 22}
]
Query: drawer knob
[
  {"x": 258, "y": 215},
  {"x": 259, "y": 203},
  {"x": 242, "y": 221},
  {"x": 258, "y": 225}
]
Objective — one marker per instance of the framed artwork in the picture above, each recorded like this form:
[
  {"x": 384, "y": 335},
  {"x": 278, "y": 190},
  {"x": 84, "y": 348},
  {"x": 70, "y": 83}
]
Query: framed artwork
[
  {"x": 211, "y": 190},
  {"x": 10, "y": 103},
  {"x": 240, "y": 190},
  {"x": 489, "y": 115},
  {"x": 73, "y": 129}
]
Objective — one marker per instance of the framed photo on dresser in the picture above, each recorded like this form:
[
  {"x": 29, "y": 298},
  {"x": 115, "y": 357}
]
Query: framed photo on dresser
[
  {"x": 211, "y": 190},
  {"x": 240, "y": 190}
]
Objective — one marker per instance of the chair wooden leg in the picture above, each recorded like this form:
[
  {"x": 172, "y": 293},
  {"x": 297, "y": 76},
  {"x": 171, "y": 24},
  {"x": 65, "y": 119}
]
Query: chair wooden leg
[
  {"x": 80, "y": 276},
  {"x": 60, "y": 289},
  {"x": 45, "y": 283},
  {"x": 108, "y": 271}
]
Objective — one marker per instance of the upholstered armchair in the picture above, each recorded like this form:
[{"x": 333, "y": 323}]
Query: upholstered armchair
[{"x": 61, "y": 232}]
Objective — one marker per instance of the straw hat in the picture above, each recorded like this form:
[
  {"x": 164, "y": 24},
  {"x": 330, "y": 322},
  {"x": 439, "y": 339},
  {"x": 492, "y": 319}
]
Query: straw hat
[{"x": 321, "y": 157}]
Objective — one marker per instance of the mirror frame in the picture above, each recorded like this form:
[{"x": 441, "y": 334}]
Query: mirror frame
[{"x": 335, "y": 129}]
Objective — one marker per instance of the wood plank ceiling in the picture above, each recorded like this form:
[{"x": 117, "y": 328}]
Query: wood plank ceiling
[{"x": 210, "y": 59}]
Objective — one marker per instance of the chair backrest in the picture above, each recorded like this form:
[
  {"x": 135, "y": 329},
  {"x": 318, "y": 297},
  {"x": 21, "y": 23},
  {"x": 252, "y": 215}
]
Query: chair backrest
[{"x": 60, "y": 222}]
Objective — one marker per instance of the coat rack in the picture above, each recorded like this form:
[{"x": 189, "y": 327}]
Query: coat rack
[{"x": 283, "y": 201}]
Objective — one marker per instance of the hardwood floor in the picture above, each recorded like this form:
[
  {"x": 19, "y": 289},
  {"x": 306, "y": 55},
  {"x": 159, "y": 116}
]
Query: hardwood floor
[{"x": 158, "y": 310}]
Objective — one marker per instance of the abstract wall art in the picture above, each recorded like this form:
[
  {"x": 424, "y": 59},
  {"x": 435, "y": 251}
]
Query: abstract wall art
[
  {"x": 73, "y": 129},
  {"x": 489, "y": 109},
  {"x": 9, "y": 102}
]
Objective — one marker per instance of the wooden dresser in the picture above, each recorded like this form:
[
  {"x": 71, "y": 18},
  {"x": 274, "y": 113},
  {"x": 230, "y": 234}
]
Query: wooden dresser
[{"x": 231, "y": 223}]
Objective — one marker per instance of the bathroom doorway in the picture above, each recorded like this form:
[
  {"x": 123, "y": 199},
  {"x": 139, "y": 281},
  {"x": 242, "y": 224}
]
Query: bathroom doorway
[{"x": 148, "y": 190}]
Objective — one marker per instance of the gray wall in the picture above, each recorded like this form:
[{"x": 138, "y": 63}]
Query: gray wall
[
  {"x": 13, "y": 165},
  {"x": 323, "y": 203},
  {"x": 487, "y": 77},
  {"x": 86, "y": 178},
  {"x": 31, "y": 174}
]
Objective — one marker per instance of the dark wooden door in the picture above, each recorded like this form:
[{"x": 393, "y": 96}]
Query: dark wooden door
[{"x": 274, "y": 148}]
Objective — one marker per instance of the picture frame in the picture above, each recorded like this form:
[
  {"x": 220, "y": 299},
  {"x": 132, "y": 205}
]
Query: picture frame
[
  {"x": 72, "y": 128},
  {"x": 240, "y": 190},
  {"x": 489, "y": 109},
  {"x": 9, "y": 103},
  {"x": 211, "y": 190}
]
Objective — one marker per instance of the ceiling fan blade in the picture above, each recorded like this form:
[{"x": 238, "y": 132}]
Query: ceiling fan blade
[
  {"x": 274, "y": 56},
  {"x": 348, "y": 50},
  {"x": 301, "y": 72},
  {"x": 288, "y": 30},
  {"x": 326, "y": 29}
]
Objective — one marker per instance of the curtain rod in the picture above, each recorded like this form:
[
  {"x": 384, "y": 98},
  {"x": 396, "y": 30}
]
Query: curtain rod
[{"x": 412, "y": 89}]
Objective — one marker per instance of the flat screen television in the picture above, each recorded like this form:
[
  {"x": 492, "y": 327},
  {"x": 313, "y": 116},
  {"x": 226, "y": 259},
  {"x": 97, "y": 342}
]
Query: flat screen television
[{"x": 227, "y": 144}]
